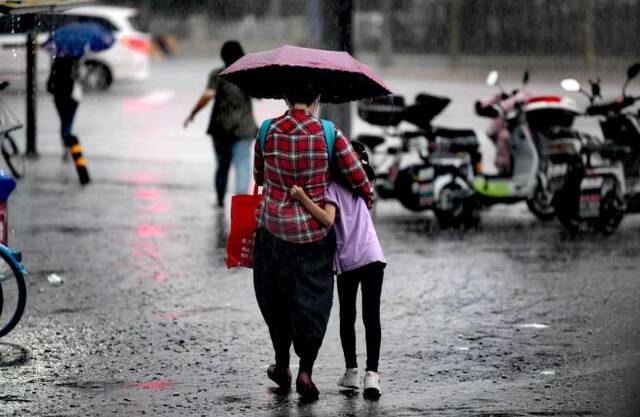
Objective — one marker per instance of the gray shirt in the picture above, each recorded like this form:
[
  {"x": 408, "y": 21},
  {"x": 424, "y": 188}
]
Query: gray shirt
[{"x": 232, "y": 114}]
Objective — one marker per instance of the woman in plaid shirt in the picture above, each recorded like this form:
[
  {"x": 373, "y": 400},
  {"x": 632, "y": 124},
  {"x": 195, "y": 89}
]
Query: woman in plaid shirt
[{"x": 293, "y": 255}]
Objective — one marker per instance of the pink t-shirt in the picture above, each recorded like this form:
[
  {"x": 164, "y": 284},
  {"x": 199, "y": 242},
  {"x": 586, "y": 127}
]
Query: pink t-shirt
[{"x": 357, "y": 244}]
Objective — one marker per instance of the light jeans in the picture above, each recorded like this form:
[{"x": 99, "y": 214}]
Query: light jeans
[
  {"x": 241, "y": 160},
  {"x": 238, "y": 155}
]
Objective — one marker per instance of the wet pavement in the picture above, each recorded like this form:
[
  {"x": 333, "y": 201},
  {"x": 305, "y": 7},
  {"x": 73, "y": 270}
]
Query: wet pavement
[{"x": 514, "y": 319}]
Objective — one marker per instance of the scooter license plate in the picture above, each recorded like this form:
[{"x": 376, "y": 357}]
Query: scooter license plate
[
  {"x": 590, "y": 183},
  {"x": 557, "y": 170},
  {"x": 426, "y": 174},
  {"x": 590, "y": 204}
]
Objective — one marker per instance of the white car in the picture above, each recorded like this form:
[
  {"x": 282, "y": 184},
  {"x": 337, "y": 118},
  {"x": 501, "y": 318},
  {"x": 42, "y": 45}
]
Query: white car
[{"x": 127, "y": 59}]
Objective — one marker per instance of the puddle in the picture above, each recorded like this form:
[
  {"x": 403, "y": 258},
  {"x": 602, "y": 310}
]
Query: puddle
[
  {"x": 141, "y": 177},
  {"x": 92, "y": 385},
  {"x": 160, "y": 385},
  {"x": 12, "y": 355},
  {"x": 71, "y": 310},
  {"x": 66, "y": 230},
  {"x": 533, "y": 326},
  {"x": 147, "y": 194},
  {"x": 230, "y": 399},
  {"x": 150, "y": 230},
  {"x": 179, "y": 314},
  {"x": 157, "y": 208},
  {"x": 13, "y": 399}
]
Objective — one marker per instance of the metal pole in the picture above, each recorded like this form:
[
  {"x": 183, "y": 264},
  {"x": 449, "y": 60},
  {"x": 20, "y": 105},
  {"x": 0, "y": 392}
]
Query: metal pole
[
  {"x": 314, "y": 21},
  {"x": 590, "y": 35},
  {"x": 386, "y": 42},
  {"x": 455, "y": 12},
  {"x": 32, "y": 85},
  {"x": 275, "y": 8},
  {"x": 337, "y": 34}
]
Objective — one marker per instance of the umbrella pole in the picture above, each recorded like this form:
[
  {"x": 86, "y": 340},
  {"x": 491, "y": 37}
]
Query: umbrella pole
[{"x": 32, "y": 85}]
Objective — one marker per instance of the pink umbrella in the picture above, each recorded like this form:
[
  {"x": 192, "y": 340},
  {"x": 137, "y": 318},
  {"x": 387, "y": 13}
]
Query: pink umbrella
[{"x": 337, "y": 76}]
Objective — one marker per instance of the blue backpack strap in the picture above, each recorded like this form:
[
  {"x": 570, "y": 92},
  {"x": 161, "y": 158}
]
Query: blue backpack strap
[
  {"x": 329, "y": 130},
  {"x": 264, "y": 129}
]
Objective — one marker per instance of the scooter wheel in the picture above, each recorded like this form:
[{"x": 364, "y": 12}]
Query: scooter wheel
[
  {"x": 453, "y": 211},
  {"x": 540, "y": 204},
  {"x": 611, "y": 209}
]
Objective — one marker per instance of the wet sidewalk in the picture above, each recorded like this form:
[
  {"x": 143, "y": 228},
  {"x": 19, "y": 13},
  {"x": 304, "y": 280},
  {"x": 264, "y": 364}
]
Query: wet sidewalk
[{"x": 516, "y": 319}]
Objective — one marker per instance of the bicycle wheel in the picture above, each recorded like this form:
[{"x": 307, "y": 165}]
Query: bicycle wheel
[
  {"x": 13, "y": 291},
  {"x": 11, "y": 155}
]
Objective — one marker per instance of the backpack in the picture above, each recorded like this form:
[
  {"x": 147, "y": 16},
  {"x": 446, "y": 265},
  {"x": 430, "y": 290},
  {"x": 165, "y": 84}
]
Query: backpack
[{"x": 328, "y": 128}]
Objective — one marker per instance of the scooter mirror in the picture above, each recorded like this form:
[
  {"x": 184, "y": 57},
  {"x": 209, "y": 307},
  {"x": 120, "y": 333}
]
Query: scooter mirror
[
  {"x": 570, "y": 84},
  {"x": 633, "y": 71},
  {"x": 492, "y": 78}
]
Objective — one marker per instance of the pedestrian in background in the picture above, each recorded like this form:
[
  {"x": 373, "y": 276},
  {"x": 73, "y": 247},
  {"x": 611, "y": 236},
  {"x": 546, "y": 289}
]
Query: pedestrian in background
[
  {"x": 358, "y": 262},
  {"x": 232, "y": 127},
  {"x": 63, "y": 84}
]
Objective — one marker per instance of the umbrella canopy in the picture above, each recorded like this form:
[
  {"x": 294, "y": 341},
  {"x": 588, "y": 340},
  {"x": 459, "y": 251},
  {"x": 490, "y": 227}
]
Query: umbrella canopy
[
  {"x": 77, "y": 39},
  {"x": 16, "y": 7},
  {"x": 337, "y": 75}
]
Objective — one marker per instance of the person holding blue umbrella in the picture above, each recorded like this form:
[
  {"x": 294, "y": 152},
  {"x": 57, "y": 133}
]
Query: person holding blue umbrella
[{"x": 69, "y": 44}]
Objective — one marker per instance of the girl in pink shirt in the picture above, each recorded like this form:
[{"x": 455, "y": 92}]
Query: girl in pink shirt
[{"x": 358, "y": 261}]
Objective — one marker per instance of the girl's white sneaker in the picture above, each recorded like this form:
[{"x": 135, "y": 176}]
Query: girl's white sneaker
[
  {"x": 372, "y": 390},
  {"x": 349, "y": 379}
]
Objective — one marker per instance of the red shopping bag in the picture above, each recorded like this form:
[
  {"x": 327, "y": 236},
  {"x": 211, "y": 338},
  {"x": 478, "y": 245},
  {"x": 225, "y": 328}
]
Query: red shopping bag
[{"x": 243, "y": 229}]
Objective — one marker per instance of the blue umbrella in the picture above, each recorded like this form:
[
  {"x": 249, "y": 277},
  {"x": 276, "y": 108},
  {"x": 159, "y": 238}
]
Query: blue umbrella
[{"x": 77, "y": 39}]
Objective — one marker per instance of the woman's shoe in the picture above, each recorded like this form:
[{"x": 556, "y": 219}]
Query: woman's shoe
[
  {"x": 280, "y": 376},
  {"x": 349, "y": 379},
  {"x": 372, "y": 390},
  {"x": 306, "y": 388}
]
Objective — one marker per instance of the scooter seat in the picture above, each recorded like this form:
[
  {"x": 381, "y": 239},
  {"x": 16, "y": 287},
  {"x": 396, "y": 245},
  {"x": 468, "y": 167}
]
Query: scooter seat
[{"x": 453, "y": 133}]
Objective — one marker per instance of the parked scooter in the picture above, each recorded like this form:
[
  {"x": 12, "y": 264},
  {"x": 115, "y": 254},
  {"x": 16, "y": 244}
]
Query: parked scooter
[
  {"x": 440, "y": 169},
  {"x": 603, "y": 175},
  {"x": 519, "y": 118},
  {"x": 623, "y": 128},
  {"x": 427, "y": 168}
]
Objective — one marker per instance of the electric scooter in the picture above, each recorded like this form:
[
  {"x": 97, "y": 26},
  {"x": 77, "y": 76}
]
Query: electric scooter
[
  {"x": 519, "y": 120},
  {"x": 425, "y": 168},
  {"x": 604, "y": 175}
]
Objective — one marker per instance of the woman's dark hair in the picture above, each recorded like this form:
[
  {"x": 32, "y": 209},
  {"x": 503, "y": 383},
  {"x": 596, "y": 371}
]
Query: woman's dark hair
[
  {"x": 302, "y": 93},
  {"x": 231, "y": 52}
]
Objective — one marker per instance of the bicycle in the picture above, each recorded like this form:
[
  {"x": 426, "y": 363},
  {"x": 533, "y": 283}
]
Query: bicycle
[
  {"x": 8, "y": 147},
  {"x": 13, "y": 290}
]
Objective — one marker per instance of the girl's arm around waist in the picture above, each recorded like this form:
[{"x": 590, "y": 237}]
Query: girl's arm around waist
[{"x": 325, "y": 216}]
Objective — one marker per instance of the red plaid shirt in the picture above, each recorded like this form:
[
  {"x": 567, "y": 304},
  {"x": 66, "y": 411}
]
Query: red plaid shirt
[{"x": 295, "y": 153}]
